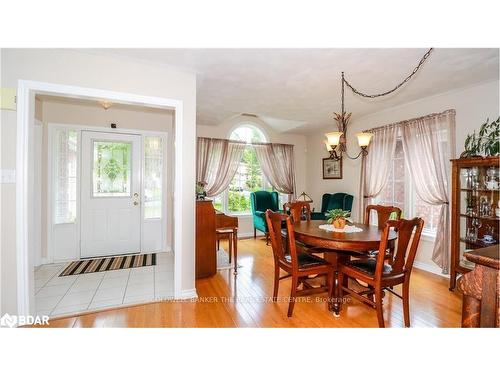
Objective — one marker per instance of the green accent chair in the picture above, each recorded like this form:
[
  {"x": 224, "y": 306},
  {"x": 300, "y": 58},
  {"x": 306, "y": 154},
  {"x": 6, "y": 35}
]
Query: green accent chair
[
  {"x": 262, "y": 201},
  {"x": 333, "y": 201}
]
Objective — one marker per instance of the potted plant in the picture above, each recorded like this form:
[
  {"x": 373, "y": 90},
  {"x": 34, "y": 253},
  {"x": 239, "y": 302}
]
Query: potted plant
[
  {"x": 337, "y": 217},
  {"x": 485, "y": 143}
]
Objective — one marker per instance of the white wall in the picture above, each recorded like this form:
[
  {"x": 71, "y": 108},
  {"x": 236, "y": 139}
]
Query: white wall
[
  {"x": 473, "y": 105},
  {"x": 299, "y": 141},
  {"x": 78, "y": 68},
  {"x": 92, "y": 114}
]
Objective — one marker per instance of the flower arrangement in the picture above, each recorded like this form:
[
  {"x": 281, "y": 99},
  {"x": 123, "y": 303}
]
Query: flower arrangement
[
  {"x": 338, "y": 217},
  {"x": 200, "y": 190}
]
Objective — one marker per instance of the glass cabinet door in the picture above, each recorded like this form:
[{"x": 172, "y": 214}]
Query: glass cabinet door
[{"x": 479, "y": 209}]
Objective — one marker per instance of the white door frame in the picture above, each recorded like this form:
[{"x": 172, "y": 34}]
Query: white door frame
[{"x": 24, "y": 174}]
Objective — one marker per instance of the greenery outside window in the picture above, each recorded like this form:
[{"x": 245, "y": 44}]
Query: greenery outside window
[{"x": 248, "y": 177}]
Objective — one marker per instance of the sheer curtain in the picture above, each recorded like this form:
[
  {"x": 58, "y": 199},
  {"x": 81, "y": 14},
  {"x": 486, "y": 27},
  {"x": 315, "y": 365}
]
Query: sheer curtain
[
  {"x": 277, "y": 163},
  {"x": 217, "y": 162},
  {"x": 428, "y": 144},
  {"x": 375, "y": 167}
]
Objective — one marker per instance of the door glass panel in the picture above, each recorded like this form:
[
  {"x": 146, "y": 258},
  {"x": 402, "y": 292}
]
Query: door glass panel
[
  {"x": 111, "y": 169},
  {"x": 153, "y": 176},
  {"x": 66, "y": 143}
]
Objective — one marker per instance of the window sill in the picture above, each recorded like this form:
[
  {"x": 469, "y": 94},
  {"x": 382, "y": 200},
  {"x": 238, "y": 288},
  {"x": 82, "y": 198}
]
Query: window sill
[
  {"x": 243, "y": 215},
  {"x": 428, "y": 237}
]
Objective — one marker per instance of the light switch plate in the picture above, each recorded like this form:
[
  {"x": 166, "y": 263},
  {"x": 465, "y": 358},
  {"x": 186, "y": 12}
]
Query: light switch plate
[
  {"x": 8, "y": 99},
  {"x": 8, "y": 176}
]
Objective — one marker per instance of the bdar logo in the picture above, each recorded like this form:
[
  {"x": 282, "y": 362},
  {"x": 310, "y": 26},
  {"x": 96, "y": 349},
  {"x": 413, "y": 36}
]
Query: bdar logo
[
  {"x": 8, "y": 321},
  {"x": 12, "y": 321}
]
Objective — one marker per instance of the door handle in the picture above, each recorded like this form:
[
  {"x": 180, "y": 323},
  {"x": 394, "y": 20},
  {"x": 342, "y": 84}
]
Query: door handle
[{"x": 137, "y": 201}]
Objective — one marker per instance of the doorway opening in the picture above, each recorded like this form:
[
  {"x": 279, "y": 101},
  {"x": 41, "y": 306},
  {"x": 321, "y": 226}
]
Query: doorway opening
[{"x": 126, "y": 201}]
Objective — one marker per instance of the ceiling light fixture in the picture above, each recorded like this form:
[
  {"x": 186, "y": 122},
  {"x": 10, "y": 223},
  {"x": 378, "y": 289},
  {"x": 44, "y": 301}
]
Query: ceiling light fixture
[
  {"x": 104, "y": 104},
  {"x": 336, "y": 141}
]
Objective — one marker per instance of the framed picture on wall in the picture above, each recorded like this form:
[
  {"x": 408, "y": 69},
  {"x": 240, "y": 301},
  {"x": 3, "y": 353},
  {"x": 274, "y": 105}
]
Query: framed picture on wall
[{"x": 332, "y": 169}]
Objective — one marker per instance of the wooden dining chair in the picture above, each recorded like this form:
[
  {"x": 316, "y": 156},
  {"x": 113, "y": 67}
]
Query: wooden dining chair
[
  {"x": 379, "y": 275},
  {"x": 298, "y": 210},
  {"x": 384, "y": 214},
  {"x": 299, "y": 265}
]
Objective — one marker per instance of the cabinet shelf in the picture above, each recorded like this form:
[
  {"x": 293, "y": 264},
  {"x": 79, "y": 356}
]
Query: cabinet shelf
[
  {"x": 478, "y": 243},
  {"x": 482, "y": 190},
  {"x": 494, "y": 218}
]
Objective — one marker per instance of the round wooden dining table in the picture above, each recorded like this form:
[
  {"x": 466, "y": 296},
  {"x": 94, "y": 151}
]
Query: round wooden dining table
[{"x": 338, "y": 247}]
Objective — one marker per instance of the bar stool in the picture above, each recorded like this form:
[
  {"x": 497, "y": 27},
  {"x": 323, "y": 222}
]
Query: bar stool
[{"x": 232, "y": 235}]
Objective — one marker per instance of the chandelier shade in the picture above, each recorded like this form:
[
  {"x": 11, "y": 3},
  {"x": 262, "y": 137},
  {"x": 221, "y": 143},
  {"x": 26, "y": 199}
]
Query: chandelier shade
[
  {"x": 364, "y": 139},
  {"x": 333, "y": 138}
]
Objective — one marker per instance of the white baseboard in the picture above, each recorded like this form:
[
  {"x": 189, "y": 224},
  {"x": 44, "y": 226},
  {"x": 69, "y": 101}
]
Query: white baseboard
[
  {"x": 188, "y": 294},
  {"x": 43, "y": 261},
  {"x": 429, "y": 268}
]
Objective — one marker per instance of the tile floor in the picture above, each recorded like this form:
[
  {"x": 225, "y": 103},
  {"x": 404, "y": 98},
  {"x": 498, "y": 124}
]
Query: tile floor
[{"x": 57, "y": 296}]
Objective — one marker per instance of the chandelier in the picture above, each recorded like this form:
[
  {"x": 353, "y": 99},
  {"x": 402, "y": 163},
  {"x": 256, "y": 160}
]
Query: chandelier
[{"x": 336, "y": 141}]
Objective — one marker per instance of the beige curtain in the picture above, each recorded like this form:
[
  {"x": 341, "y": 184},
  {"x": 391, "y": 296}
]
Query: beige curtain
[
  {"x": 375, "y": 167},
  {"x": 217, "y": 162},
  {"x": 428, "y": 144},
  {"x": 278, "y": 165}
]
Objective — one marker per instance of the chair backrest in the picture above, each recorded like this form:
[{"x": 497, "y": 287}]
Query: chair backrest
[
  {"x": 336, "y": 200},
  {"x": 409, "y": 232},
  {"x": 264, "y": 200},
  {"x": 296, "y": 209},
  {"x": 383, "y": 214},
  {"x": 280, "y": 248}
]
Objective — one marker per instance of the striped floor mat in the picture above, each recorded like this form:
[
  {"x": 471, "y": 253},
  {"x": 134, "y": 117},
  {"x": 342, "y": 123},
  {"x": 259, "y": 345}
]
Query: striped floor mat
[{"x": 109, "y": 264}]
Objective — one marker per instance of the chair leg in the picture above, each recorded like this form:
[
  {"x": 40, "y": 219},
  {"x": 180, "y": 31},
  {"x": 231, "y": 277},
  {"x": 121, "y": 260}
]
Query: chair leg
[
  {"x": 235, "y": 250},
  {"x": 254, "y": 232},
  {"x": 230, "y": 241},
  {"x": 378, "y": 306},
  {"x": 218, "y": 244},
  {"x": 331, "y": 288},
  {"x": 276, "y": 282},
  {"x": 406, "y": 302},
  {"x": 293, "y": 294}
]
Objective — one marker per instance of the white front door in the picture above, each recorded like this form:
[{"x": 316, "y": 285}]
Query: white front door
[{"x": 110, "y": 194}]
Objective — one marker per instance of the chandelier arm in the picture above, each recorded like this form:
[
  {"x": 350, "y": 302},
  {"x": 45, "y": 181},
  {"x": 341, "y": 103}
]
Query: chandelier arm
[
  {"x": 421, "y": 62},
  {"x": 353, "y": 158}
]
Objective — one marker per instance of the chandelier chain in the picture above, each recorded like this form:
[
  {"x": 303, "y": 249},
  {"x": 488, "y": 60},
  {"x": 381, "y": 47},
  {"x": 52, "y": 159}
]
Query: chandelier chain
[{"x": 421, "y": 62}]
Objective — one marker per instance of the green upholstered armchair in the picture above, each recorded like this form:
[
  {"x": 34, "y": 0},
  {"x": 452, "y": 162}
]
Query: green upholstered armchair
[
  {"x": 332, "y": 201},
  {"x": 262, "y": 201}
]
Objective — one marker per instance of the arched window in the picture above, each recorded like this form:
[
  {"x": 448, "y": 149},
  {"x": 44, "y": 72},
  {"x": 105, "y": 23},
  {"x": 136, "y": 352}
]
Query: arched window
[{"x": 248, "y": 177}]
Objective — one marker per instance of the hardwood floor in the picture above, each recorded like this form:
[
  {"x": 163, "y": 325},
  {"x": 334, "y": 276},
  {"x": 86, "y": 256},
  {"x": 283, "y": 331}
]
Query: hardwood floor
[{"x": 226, "y": 301}]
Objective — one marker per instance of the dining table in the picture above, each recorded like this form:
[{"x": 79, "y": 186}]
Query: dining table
[{"x": 339, "y": 247}]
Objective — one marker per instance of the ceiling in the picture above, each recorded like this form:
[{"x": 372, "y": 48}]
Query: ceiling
[{"x": 297, "y": 90}]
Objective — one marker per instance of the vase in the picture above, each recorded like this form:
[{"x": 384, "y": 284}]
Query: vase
[{"x": 339, "y": 223}]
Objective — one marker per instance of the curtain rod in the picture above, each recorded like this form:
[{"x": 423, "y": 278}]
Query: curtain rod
[
  {"x": 404, "y": 122},
  {"x": 251, "y": 143},
  {"x": 223, "y": 139}
]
